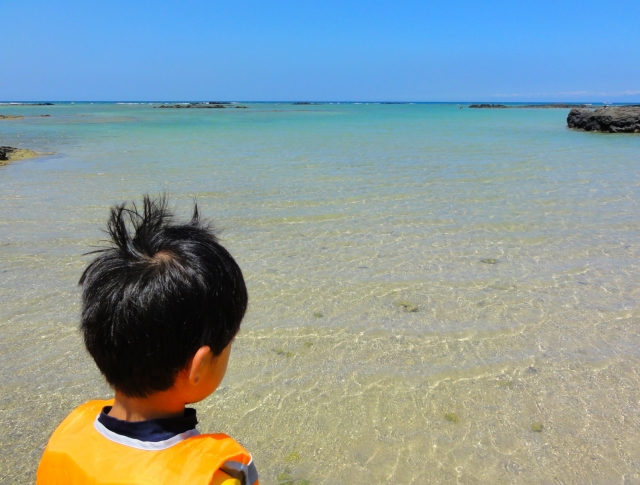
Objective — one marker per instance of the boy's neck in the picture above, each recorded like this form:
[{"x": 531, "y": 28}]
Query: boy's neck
[{"x": 157, "y": 406}]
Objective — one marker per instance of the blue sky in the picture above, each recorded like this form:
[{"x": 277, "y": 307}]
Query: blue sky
[{"x": 399, "y": 50}]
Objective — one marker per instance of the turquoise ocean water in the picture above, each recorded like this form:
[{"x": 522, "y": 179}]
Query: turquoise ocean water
[{"x": 338, "y": 214}]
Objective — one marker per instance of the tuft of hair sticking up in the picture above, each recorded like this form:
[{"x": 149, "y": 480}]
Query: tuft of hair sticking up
[
  {"x": 157, "y": 293},
  {"x": 146, "y": 225}
]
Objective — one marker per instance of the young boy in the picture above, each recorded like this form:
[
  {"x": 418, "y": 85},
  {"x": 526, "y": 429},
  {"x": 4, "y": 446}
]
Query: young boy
[{"x": 160, "y": 309}]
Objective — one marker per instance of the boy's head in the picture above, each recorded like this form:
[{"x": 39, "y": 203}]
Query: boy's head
[{"x": 157, "y": 294}]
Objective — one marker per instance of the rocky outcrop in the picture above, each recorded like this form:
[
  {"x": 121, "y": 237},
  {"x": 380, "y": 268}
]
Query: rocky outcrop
[
  {"x": 192, "y": 105},
  {"x": 515, "y": 106},
  {"x": 492, "y": 106},
  {"x": 10, "y": 154},
  {"x": 618, "y": 119},
  {"x": 206, "y": 105},
  {"x": 17, "y": 117}
]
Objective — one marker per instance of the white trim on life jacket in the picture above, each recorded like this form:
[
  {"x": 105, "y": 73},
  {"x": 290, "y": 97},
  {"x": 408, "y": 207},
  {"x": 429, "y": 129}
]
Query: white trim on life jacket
[{"x": 143, "y": 445}]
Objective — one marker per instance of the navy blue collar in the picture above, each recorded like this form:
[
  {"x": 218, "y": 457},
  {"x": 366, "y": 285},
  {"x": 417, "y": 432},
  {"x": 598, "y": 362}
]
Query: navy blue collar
[{"x": 152, "y": 429}]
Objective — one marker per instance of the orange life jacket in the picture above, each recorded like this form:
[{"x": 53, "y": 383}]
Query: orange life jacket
[{"x": 81, "y": 452}]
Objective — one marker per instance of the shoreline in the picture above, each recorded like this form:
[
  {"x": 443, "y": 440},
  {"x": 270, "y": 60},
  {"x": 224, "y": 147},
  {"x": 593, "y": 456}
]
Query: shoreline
[{"x": 542, "y": 106}]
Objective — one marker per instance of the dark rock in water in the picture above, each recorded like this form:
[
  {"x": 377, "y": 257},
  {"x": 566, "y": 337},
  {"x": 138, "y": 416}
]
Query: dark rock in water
[
  {"x": 298, "y": 103},
  {"x": 17, "y": 117},
  {"x": 5, "y": 152},
  {"x": 35, "y": 104},
  {"x": 192, "y": 105},
  {"x": 10, "y": 154},
  {"x": 516, "y": 106},
  {"x": 492, "y": 106},
  {"x": 618, "y": 119},
  {"x": 218, "y": 102}
]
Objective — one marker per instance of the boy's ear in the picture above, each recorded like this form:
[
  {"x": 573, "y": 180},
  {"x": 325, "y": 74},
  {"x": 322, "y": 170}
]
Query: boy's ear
[{"x": 194, "y": 368}]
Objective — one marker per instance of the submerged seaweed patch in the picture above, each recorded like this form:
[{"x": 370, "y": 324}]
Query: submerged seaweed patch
[
  {"x": 502, "y": 287},
  {"x": 292, "y": 457},
  {"x": 489, "y": 261},
  {"x": 284, "y": 476},
  {"x": 409, "y": 307},
  {"x": 508, "y": 384},
  {"x": 452, "y": 417},
  {"x": 537, "y": 427},
  {"x": 283, "y": 352}
]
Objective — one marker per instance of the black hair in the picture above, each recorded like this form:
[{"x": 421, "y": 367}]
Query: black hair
[{"x": 156, "y": 294}]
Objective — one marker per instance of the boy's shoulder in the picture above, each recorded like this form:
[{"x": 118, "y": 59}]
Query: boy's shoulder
[
  {"x": 93, "y": 408},
  {"x": 85, "y": 446}
]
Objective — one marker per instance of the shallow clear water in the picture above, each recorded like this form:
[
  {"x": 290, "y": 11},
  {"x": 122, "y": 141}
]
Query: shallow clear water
[{"x": 337, "y": 214}]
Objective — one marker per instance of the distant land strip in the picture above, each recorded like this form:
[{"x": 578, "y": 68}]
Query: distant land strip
[
  {"x": 205, "y": 105},
  {"x": 546, "y": 106}
]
